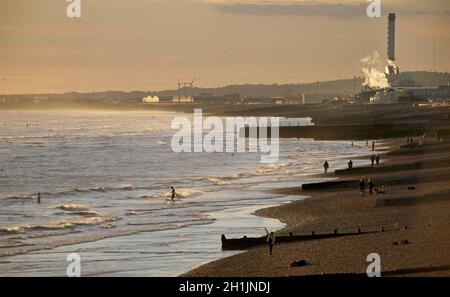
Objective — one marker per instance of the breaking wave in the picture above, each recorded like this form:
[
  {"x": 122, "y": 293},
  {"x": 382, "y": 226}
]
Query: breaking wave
[
  {"x": 69, "y": 224},
  {"x": 72, "y": 207}
]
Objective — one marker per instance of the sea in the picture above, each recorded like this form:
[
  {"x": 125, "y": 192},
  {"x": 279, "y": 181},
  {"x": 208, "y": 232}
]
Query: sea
[{"x": 105, "y": 177}]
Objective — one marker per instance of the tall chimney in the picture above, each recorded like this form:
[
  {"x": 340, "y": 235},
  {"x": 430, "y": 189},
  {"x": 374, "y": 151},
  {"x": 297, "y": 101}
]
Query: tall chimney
[{"x": 391, "y": 37}]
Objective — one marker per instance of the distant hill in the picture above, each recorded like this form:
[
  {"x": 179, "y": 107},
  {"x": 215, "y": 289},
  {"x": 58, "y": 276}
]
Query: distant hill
[{"x": 335, "y": 87}]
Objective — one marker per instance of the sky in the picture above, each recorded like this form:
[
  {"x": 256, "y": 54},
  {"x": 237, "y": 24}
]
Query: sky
[{"x": 150, "y": 44}]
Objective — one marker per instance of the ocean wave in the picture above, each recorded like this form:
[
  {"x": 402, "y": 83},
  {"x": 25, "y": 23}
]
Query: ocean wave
[
  {"x": 185, "y": 193},
  {"x": 87, "y": 213},
  {"x": 21, "y": 197},
  {"x": 180, "y": 193},
  {"x": 69, "y": 224},
  {"x": 72, "y": 207},
  {"x": 216, "y": 180},
  {"x": 126, "y": 187},
  {"x": 258, "y": 172},
  {"x": 270, "y": 168}
]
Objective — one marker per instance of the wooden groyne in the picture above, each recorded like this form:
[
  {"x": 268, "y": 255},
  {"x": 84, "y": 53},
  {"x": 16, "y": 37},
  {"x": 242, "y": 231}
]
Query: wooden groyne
[
  {"x": 337, "y": 184},
  {"x": 418, "y": 165},
  {"x": 349, "y": 132},
  {"x": 249, "y": 242}
]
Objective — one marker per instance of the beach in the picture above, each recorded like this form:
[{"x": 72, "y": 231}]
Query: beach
[{"x": 407, "y": 226}]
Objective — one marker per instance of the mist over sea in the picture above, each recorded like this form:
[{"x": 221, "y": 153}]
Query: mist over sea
[{"x": 104, "y": 178}]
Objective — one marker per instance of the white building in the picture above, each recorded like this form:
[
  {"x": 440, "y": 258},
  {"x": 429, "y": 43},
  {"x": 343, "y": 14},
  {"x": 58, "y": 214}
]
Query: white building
[{"x": 150, "y": 99}]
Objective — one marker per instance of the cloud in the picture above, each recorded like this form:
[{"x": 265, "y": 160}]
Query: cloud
[{"x": 330, "y": 8}]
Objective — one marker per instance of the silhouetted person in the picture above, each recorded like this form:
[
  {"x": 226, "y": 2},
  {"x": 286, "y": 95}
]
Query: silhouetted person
[
  {"x": 39, "y": 198},
  {"x": 173, "y": 193},
  {"x": 326, "y": 166},
  {"x": 371, "y": 186},
  {"x": 362, "y": 187},
  {"x": 377, "y": 159},
  {"x": 270, "y": 241},
  {"x": 372, "y": 160},
  {"x": 373, "y": 145},
  {"x": 350, "y": 164}
]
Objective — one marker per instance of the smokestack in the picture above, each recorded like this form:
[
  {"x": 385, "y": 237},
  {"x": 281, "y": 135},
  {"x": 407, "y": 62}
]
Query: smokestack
[
  {"x": 391, "y": 68},
  {"x": 391, "y": 37}
]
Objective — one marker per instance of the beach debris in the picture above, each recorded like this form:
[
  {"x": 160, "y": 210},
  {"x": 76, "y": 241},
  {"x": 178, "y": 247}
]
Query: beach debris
[
  {"x": 401, "y": 242},
  {"x": 298, "y": 263}
]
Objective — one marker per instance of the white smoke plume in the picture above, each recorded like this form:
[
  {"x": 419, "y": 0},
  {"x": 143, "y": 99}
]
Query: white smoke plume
[{"x": 372, "y": 69}]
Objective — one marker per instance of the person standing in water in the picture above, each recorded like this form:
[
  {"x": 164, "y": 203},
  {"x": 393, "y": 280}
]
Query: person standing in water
[
  {"x": 325, "y": 167},
  {"x": 38, "y": 198},
  {"x": 270, "y": 241},
  {"x": 172, "y": 193}
]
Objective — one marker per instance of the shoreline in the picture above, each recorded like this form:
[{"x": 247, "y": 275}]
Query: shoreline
[{"x": 414, "y": 243}]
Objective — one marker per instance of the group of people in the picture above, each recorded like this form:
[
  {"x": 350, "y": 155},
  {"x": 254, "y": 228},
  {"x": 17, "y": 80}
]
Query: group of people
[
  {"x": 409, "y": 140},
  {"x": 373, "y": 144},
  {"x": 362, "y": 187},
  {"x": 375, "y": 159},
  {"x": 372, "y": 189}
]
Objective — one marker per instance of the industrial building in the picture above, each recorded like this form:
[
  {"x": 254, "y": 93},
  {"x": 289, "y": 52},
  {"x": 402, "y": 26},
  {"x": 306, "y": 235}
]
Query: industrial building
[{"x": 400, "y": 91}]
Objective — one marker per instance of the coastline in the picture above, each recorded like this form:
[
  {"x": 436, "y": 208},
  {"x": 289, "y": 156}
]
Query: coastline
[{"x": 414, "y": 242}]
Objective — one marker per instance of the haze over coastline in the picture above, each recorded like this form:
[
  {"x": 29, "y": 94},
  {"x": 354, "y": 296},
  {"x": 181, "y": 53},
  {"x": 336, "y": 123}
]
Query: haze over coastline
[{"x": 148, "y": 45}]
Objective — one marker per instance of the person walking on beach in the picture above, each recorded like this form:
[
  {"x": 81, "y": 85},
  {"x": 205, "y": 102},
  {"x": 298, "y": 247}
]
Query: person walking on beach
[
  {"x": 377, "y": 159},
  {"x": 371, "y": 186},
  {"x": 38, "y": 198},
  {"x": 350, "y": 164},
  {"x": 372, "y": 160},
  {"x": 362, "y": 187},
  {"x": 173, "y": 193},
  {"x": 270, "y": 240},
  {"x": 326, "y": 166}
]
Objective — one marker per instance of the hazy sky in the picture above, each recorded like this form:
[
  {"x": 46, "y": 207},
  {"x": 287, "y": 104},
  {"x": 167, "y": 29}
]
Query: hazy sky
[{"x": 149, "y": 44}]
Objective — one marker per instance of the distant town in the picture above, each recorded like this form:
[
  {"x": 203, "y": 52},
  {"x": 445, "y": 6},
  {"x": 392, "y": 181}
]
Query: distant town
[{"x": 412, "y": 87}]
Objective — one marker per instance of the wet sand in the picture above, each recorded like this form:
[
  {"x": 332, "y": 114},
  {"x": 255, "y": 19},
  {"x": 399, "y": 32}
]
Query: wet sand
[{"x": 414, "y": 214}]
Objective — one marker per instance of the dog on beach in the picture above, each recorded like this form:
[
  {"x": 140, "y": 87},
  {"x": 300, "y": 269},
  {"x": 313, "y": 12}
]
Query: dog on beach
[{"x": 380, "y": 191}]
